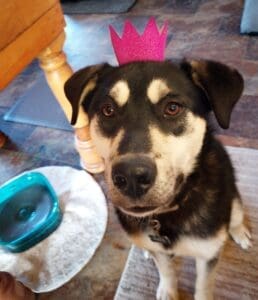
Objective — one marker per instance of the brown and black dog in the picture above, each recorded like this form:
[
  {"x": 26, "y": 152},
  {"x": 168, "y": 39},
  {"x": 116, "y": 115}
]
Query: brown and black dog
[{"x": 171, "y": 181}]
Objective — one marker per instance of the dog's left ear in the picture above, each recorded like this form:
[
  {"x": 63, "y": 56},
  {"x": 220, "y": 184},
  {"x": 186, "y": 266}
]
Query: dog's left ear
[
  {"x": 80, "y": 84},
  {"x": 221, "y": 84}
]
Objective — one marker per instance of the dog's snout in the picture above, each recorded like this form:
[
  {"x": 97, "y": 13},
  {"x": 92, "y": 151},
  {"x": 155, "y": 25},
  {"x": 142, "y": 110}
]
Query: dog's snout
[{"x": 134, "y": 176}]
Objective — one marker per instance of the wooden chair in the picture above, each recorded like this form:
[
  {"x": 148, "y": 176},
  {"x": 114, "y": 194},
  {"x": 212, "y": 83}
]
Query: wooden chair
[{"x": 35, "y": 28}]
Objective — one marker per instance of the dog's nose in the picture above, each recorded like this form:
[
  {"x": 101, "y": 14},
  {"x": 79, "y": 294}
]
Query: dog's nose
[{"x": 134, "y": 176}]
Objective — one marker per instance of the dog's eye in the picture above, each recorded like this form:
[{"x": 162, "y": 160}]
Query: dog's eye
[
  {"x": 172, "y": 109},
  {"x": 108, "y": 110}
]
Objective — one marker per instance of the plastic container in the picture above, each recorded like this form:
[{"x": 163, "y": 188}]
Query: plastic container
[{"x": 29, "y": 211}]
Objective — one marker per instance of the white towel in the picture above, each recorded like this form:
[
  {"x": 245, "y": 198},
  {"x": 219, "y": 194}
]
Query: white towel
[{"x": 55, "y": 260}]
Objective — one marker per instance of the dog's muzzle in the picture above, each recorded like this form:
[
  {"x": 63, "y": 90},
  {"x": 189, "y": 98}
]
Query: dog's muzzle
[{"x": 134, "y": 175}]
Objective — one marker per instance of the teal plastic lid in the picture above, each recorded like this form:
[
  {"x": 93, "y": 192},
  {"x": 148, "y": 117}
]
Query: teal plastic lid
[{"x": 29, "y": 211}]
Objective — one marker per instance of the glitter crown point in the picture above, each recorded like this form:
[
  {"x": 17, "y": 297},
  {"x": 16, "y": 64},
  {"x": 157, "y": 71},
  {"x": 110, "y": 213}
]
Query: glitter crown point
[{"x": 132, "y": 46}]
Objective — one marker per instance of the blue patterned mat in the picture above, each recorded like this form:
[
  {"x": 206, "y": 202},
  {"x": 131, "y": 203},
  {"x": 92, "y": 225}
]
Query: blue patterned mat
[
  {"x": 39, "y": 107},
  {"x": 249, "y": 23}
]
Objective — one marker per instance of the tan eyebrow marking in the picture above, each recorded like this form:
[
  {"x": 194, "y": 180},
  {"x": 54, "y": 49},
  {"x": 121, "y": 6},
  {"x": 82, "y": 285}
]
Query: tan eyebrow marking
[
  {"x": 120, "y": 92},
  {"x": 157, "y": 89}
]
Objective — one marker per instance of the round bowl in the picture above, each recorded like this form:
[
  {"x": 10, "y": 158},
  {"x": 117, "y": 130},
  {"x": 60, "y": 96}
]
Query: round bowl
[{"x": 29, "y": 211}]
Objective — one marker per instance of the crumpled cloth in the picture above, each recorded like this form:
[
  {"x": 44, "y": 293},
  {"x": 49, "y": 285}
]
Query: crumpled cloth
[{"x": 55, "y": 260}]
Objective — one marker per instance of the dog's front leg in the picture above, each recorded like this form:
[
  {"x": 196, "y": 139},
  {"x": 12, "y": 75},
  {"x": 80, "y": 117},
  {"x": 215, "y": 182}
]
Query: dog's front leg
[
  {"x": 205, "y": 271},
  {"x": 167, "y": 289}
]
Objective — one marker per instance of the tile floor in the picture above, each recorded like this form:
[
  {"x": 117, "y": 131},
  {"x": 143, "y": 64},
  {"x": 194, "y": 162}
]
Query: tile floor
[{"x": 198, "y": 29}]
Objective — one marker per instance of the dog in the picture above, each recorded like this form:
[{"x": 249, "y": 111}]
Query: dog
[{"x": 170, "y": 180}]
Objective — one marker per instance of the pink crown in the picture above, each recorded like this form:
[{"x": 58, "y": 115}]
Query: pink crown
[{"x": 135, "y": 47}]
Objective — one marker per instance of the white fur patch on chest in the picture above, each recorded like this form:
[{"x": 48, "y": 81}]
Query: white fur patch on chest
[
  {"x": 186, "y": 246},
  {"x": 200, "y": 248}
]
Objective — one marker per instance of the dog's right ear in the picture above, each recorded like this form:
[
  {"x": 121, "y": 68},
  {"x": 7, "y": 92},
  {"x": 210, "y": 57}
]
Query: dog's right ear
[
  {"x": 221, "y": 85},
  {"x": 79, "y": 86}
]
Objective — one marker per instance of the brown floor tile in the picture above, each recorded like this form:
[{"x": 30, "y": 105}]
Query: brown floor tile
[
  {"x": 217, "y": 48},
  {"x": 251, "y": 86},
  {"x": 244, "y": 119},
  {"x": 237, "y": 141},
  {"x": 230, "y": 25},
  {"x": 183, "y": 6},
  {"x": 252, "y": 49},
  {"x": 231, "y": 7}
]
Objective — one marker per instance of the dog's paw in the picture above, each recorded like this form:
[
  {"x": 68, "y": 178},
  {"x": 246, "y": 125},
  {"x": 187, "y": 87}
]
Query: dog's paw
[
  {"x": 242, "y": 236},
  {"x": 166, "y": 292}
]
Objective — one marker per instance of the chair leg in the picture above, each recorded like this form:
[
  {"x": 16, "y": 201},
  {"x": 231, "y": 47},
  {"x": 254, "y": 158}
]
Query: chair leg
[{"x": 57, "y": 71}]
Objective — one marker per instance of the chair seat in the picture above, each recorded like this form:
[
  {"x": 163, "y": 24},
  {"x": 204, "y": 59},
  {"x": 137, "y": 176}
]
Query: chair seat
[{"x": 29, "y": 27}]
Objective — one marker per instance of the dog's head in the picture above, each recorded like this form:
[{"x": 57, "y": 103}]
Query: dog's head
[{"x": 148, "y": 121}]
